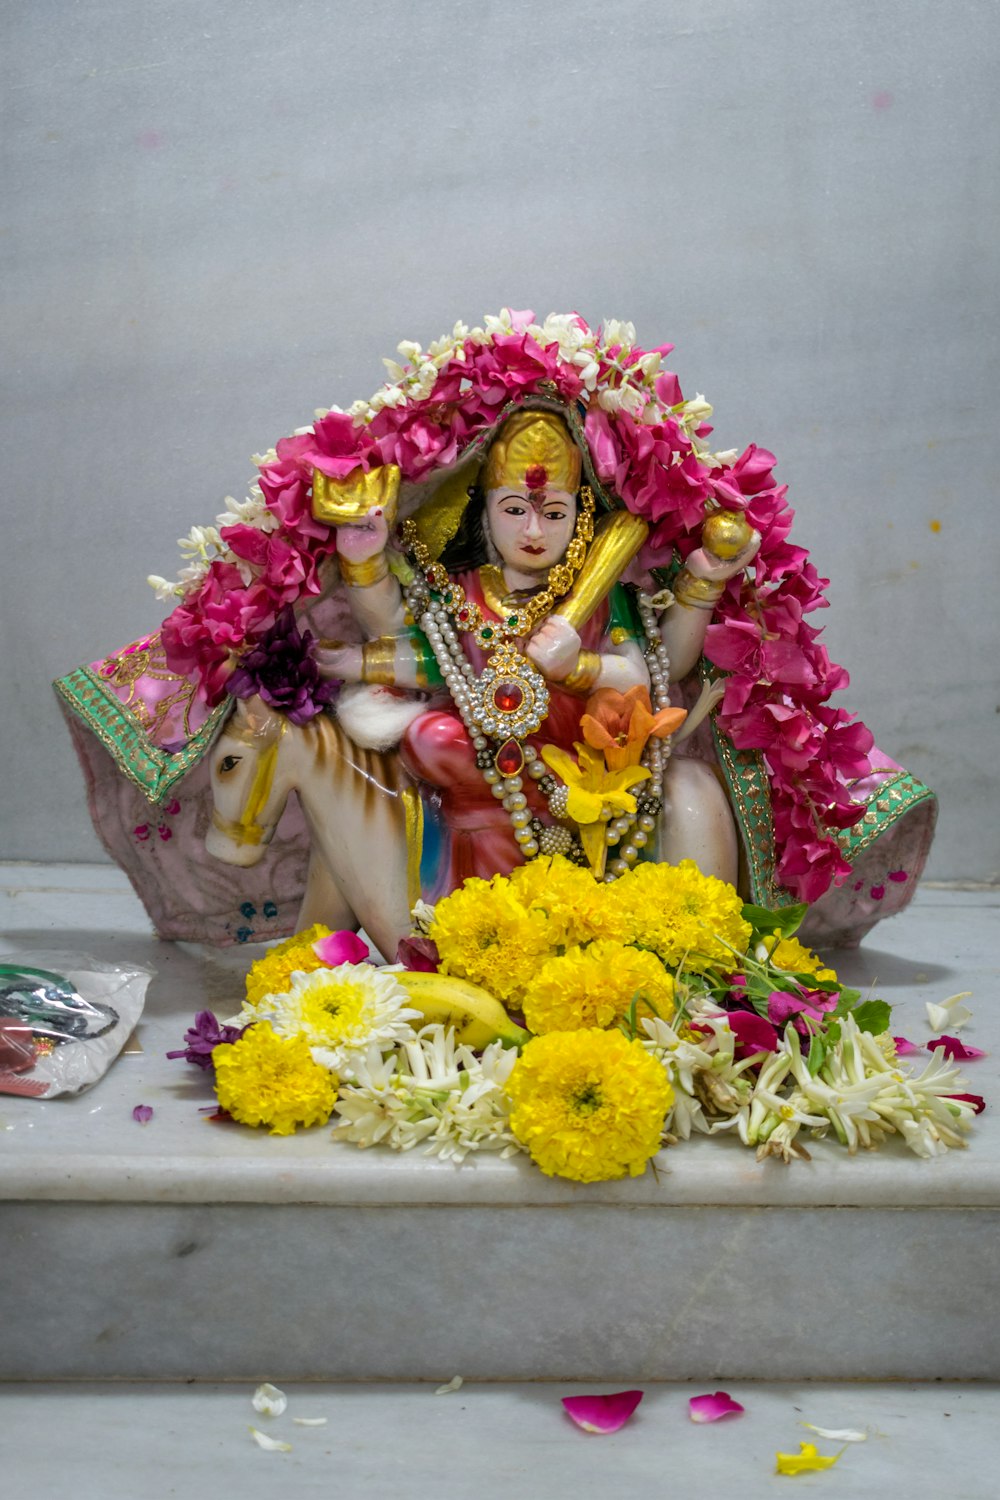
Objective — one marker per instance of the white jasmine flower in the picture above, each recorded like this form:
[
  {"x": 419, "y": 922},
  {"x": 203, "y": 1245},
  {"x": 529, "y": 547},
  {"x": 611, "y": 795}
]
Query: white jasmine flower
[
  {"x": 696, "y": 411},
  {"x": 410, "y": 351},
  {"x": 163, "y": 588},
  {"x": 395, "y": 370},
  {"x": 269, "y": 1444},
  {"x": 616, "y": 332},
  {"x": 269, "y": 1400},
  {"x": 950, "y": 1013},
  {"x": 199, "y": 541},
  {"x": 260, "y": 460}
]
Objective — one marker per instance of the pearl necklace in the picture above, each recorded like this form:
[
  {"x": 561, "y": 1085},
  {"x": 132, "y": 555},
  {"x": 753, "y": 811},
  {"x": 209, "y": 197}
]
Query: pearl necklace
[{"x": 502, "y": 763}]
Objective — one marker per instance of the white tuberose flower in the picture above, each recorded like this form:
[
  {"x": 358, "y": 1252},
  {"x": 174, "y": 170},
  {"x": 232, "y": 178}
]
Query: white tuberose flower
[{"x": 431, "y": 1091}]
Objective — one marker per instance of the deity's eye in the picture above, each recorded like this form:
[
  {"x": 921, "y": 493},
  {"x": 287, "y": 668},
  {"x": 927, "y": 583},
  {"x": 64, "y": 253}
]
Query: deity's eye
[{"x": 228, "y": 763}]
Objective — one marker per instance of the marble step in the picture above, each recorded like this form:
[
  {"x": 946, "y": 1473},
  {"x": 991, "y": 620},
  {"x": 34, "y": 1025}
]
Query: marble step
[
  {"x": 492, "y": 1442},
  {"x": 185, "y": 1249}
]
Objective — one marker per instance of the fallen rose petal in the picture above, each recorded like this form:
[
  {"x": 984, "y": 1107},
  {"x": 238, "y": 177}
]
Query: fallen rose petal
[
  {"x": 602, "y": 1414},
  {"x": 905, "y": 1048},
  {"x": 838, "y": 1434},
  {"x": 805, "y": 1461},
  {"x": 976, "y": 1100},
  {"x": 142, "y": 1113},
  {"x": 269, "y": 1444},
  {"x": 341, "y": 948},
  {"x": 454, "y": 1384},
  {"x": 955, "y": 1050},
  {"x": 713, "y": 1408},
  {"x": 269, "y": 1401},
  {"x": 309, "y": 1421},
  {"x": 752, "y": 1032}
]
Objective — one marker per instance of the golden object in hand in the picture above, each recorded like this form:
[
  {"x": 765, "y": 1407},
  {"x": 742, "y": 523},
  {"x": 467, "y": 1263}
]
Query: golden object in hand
[
  {"x": 725, "y": 533},
  {"x": 347, "y": 501},
  {"x": 618, "y": 538}
]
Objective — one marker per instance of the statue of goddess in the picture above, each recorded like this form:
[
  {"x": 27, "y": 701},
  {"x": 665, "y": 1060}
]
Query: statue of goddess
[
  {"x": 518, "y": 634},
  {"x": 603, "y": 650}
]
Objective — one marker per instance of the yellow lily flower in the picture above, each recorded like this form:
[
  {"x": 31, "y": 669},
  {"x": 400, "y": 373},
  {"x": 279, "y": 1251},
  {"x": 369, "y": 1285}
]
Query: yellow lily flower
[
  {"x": 592, "y": 787},
  {"x": 808, "y": 1460}
]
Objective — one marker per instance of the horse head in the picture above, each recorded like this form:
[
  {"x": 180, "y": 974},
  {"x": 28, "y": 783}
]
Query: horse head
[{"x": 248, "y": 798}]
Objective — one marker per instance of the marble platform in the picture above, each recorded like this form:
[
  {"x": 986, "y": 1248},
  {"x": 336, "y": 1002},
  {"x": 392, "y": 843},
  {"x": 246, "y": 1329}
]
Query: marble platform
[{"x": 185, "y": 1249}]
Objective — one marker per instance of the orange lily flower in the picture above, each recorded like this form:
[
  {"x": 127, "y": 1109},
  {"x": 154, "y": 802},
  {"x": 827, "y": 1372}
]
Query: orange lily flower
[{"x": 621, "y": 723}]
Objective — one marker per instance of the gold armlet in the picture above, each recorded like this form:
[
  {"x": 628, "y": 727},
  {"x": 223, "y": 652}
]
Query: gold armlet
[
  {"x": 696, "y": 593},
  {"x": 585, "y": 674},
  {"x": 378, "y": 661},
  {"x": 361, "y": 575}
]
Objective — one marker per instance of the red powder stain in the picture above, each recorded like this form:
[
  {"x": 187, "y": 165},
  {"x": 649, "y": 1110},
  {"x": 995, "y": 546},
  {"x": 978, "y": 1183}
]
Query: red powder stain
[
  {"x": 151, "y": 140},
  {"x": 882, "y": 99}
]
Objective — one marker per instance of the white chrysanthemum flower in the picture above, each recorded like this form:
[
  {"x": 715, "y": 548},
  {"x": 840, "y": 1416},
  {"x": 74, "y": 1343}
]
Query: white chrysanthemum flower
[
  {"x": 431, "y": 1092},
  {"x": 340, "y": 1012}
]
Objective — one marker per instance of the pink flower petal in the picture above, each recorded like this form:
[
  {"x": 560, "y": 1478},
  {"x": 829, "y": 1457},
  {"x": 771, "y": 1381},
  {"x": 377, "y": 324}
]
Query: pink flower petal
[
  {"x": 713, "y": 1408},
  {"x": 602, "y": 1414},
  {"x": 976, "y": 1100},
  {"x": 142, "y": 1113},
  {"x": 905, "y": 1048},
  {"x": 341, "y": 948},
  {"x": 954, "y": 1050}
]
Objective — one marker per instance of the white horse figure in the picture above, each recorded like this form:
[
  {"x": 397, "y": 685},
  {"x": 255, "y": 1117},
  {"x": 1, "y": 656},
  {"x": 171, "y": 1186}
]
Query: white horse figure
[{"x": 360, "y": 807}]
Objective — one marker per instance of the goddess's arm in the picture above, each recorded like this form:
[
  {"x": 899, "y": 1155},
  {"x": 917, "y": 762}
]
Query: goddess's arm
[{"x": 696, "y": 590}]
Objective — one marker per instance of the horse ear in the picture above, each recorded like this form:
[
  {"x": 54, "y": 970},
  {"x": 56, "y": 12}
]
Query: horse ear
[{"x": 254, "y": 715}]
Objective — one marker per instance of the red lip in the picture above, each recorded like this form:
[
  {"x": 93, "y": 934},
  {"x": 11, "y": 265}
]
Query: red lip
[{"x": 534, "y": 551}]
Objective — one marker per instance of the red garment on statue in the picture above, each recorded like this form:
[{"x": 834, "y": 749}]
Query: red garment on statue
[{"x": 439, "y": 754}]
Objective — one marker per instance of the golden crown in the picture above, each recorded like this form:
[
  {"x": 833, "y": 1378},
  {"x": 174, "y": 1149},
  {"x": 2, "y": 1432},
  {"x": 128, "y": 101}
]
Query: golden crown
[{"x": 533, "y": 450}]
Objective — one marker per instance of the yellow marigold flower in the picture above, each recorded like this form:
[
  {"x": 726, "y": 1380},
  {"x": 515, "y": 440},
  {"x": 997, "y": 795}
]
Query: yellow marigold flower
[
  {"x": 589, "y": 1105},
  {"x": 567, "y": 895},
  {"x": 265, "y": 1079},
  {"x": 272, "y": 974},
  {"x": 681, "y": 914},
  {"x": 595, "y": 986},
  {"x": 789, "y": 953},
  {"x": 483, "y": 933}
]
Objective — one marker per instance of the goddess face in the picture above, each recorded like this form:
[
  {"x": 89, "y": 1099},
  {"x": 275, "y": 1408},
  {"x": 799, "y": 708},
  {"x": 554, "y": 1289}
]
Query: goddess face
[{"x": 530, "y": 532}]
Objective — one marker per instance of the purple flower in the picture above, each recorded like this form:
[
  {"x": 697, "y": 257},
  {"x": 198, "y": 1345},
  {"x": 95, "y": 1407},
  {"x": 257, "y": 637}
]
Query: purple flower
[
  {"x": 205, "y": 1034},
  {"x": 282, "y": 669},
  {"x": 142, "y": 1113}
]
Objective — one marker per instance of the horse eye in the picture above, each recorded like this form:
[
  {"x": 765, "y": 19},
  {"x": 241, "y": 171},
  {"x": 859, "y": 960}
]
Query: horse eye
[{"x": 228, "y": 763}]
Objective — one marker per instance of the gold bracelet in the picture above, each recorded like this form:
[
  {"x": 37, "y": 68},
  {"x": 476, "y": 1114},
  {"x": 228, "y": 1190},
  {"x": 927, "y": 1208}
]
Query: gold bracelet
[
  {"x": 361, "y": 575},
  {"x": 695, "y": 592},
  {"x": 378, "y": 661},
  {"x": 584, "y": 674}
]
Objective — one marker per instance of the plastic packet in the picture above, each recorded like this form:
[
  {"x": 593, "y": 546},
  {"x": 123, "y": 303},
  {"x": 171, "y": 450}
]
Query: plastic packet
[{"x": 64, "y": 1018}]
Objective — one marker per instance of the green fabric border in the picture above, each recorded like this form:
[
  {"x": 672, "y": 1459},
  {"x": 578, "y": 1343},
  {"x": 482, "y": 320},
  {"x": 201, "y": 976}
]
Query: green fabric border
[
  {"x": 154, "y": 771},
  {"x": 897, "y": 795}
]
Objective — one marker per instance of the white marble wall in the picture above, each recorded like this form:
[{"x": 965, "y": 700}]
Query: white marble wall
[{"x": 216, "y": 220}]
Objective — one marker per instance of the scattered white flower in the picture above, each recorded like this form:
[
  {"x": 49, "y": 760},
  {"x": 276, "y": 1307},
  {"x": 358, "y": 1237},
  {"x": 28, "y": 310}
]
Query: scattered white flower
[
  {"x": 309, "y": 1421},
  {"x": 269, "y": 1400},
  {"x": 454, "y": 1384},
  {"x": 269, "y": 1444},
  {"x": 950, "y": 1014},
  {"x": 838, "y": 1434}
]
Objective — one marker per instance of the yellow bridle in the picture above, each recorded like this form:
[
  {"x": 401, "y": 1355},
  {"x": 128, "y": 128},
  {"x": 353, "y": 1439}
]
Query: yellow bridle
[{"x": 245, "y": 829}]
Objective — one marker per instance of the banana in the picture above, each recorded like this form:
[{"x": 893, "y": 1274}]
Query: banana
[{"x": 478, "y": 1019}]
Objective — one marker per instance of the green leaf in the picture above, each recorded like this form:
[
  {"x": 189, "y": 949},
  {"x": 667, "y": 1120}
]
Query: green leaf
[
  {"x": 784, "y": 922},
  {"x": 873, "y": 1016}
]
